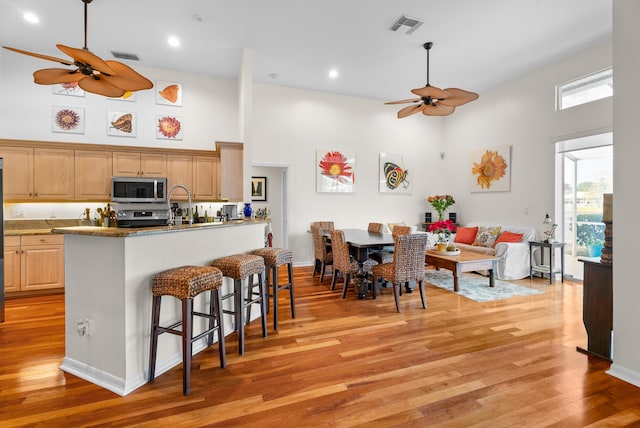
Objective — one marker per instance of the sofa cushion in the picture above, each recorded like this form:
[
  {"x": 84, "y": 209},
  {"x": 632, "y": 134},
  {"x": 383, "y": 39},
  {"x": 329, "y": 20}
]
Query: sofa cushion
[
  {"x": 507, "y": 236},
  {"x": 486, "y": 236},
  {"x": 466, "y": 235}
]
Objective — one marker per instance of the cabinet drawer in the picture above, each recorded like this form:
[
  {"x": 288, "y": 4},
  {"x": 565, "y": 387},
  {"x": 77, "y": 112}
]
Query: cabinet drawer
[
  {"x": 42, "y": 239},
  {"x": 11, "y": 241}
]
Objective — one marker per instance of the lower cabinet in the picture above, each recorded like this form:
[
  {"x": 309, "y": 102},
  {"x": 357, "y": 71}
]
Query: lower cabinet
[{"x": 33, "y": 263}]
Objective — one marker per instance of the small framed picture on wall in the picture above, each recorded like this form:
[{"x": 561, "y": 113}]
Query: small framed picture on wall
[{"x": 259, "y": 189}]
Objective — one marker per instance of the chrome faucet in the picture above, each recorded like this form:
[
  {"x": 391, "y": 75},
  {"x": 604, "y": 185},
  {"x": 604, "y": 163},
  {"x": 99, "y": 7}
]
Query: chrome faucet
[{"x": 186, "y": 189}]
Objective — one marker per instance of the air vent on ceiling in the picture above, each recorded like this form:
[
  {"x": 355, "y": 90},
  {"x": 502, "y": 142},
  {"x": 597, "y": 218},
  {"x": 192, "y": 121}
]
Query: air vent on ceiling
[
  {"x": 411, "y": 24},
  {"x": 124, "y": 55}
]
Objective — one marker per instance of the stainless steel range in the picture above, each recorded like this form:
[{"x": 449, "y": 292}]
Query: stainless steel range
[{"x": 141, "y": 214}]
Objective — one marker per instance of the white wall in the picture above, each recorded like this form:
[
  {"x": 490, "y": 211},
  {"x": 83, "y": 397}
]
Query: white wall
[
  {"x": 275, "y": 200},
  {"x": 626, "y": 152}
]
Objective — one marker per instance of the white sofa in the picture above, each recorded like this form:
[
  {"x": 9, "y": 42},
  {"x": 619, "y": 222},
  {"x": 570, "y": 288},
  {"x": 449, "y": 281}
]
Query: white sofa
[{"x": 514, "y": 256}]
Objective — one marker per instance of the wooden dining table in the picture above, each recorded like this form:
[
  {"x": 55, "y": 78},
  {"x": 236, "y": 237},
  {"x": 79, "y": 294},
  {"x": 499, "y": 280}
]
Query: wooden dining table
[{"x": 361, "y": 242}]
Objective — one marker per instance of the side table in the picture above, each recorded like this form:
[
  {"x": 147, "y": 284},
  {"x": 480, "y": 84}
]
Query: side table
[{"x": 543, "y": 268}]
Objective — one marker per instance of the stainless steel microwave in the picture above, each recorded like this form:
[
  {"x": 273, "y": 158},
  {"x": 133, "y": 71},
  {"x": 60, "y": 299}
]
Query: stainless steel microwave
[{"x": 138, "y": 189}]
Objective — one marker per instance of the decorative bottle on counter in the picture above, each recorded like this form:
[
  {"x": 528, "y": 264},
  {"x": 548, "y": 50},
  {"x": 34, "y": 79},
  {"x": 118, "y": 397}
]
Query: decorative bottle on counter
[
  {"x": 247, "y": 210},
  {"x": 195, "y": 215}
]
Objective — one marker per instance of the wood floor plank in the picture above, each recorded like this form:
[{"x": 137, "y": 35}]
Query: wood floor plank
[{"x": 342, "y": 363}]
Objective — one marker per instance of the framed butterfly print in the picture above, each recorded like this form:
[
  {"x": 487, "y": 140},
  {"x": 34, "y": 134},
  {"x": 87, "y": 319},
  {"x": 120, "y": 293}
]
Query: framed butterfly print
[
  {"x": 393, "y": 173},
  {"x": 121, "y": 123}
]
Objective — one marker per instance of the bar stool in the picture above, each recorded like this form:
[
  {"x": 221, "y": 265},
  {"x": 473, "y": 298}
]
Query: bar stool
[
  {"x": 239, "y": 267},
  {"x": 185, "y": 283},
  {"x": 273, "y": 259}
]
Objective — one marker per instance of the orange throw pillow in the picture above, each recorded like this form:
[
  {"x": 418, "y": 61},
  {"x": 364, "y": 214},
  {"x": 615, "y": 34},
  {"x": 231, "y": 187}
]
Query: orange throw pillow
[
  {"x": 466, "y": 235},
  {"x": 507, "y": 236}
]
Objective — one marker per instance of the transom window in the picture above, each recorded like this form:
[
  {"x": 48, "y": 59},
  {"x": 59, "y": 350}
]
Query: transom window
[{"x": 589, "y": 88}]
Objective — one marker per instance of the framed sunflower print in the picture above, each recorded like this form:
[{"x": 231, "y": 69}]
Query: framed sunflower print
[
  {"x": 393, "y": 174},
  {"x": 491, "y": 169},
  {"x": 335, "y": 171}
]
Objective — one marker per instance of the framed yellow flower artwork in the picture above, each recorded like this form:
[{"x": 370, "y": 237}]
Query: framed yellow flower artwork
[{"x": 491, "y": 169}]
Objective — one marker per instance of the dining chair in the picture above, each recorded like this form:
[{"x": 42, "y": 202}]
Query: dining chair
[
  {"x": 407, "y": 265},
  {"x": 386, "y": 255},
  {"x": 342, "y": 262},
  {"x": 322, "y": 253},
  {"x": 375, "y": 227}
]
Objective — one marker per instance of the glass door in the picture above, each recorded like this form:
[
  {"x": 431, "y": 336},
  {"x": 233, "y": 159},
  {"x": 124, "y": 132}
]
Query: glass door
[{"x": 587, "y": 175}]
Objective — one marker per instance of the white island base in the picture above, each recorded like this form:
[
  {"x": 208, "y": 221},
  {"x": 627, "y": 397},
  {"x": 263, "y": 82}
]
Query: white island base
[{"x": 108, "y": 274}]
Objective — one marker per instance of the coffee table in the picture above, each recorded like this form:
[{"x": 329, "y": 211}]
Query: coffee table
[{"x": 466, "y": 261}]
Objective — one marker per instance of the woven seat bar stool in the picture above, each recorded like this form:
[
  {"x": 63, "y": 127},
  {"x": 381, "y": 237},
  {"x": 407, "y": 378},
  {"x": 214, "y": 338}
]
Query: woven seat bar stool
[
  {"x": 240, "y": 267},
  {"x": 185, "y": 283},
  {"x": 273, "y": 259}
]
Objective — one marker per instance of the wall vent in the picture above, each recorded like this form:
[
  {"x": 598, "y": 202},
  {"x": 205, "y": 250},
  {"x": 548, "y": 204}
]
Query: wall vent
[
  {"x": 411, "y": 24},
  {"x": 124, "y": 55}
]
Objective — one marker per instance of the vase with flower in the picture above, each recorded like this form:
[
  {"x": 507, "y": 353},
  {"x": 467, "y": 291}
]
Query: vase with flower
[
  {"x": 440, "y": 203},
  {"x": 443, "y": 230}
]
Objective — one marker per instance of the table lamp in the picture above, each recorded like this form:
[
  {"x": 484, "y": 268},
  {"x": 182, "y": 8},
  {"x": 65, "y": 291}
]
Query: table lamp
[{"x": 549, "y": 233}]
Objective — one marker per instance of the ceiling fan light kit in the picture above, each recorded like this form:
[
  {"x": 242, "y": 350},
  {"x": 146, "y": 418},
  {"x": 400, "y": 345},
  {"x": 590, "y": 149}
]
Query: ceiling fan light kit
[
  {"x": 103, "y": 77},
  {"x": 434, "y": 101}
]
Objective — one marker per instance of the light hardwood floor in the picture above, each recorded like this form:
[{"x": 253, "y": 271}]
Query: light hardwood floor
[{"x": 342, "y": 363}]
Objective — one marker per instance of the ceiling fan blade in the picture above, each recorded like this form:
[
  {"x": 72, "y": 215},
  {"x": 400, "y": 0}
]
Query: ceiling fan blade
[
  {"x": 127, "y": 78},
  {"x": 409, "y": 110},
  {"x": 99, "y": 85},
  {"x": 37, "y": 55},
  {"x": 412, "y": 100},
  {"x": 430, "y": 91},
  {"x": 85, "y": 57},
  {"x": 51, "y": 76},
  {"x": 438, "y": 110},
  {"x": 458, "y": 97}
]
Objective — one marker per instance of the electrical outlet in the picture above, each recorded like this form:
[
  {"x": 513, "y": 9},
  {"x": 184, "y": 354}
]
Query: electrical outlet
[
  {"x": 19, "y": 213},
  {"x": 83, "y": 327}
]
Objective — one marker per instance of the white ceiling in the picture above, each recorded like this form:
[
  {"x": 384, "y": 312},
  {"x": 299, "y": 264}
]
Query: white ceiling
[{"x": 477, "y": 43}]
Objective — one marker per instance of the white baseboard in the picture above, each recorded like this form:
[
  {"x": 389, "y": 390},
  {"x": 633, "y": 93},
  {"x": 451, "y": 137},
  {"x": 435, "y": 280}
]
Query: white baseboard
[{"x": 624, "y": 374}]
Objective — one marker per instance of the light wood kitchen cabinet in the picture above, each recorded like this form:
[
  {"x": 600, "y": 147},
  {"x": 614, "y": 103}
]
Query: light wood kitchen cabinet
[
  {"x": 206, "y": 174},
  {"x": 137, "y": 164},
  {"x": 179, "y": 171},
  {"x": 93, "y": 169},
  {"x": 231, "y": 171},
  {"x": 18, "y": 172},
  {"x": 37, "y": 173},
  {"x": 36, "y": 264}
]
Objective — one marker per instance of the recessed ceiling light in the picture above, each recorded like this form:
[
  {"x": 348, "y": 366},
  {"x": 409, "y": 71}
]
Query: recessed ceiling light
[
  {"x": 333, "y": 73},
  {"x": 173, "y": 41},
  {"x": 31, "y": 17}
]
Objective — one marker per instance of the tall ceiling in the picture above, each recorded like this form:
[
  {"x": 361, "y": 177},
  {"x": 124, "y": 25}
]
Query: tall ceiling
[{"x": 477, "y": 43}]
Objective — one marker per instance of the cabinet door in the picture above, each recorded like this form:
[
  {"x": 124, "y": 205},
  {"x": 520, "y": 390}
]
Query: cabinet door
[
  {"x": 153, "y": 165},
  {"x": 180, "y": 171},
  {"x": 18, "y": 172},
  {"x": 11, "y": 263},
  {"x": 42, "y": 264},
  {"x": 126, "y": 164},
  {"x": 231, "y": 171},
  {"x": 53, "y": 174},
  {"x": 93, "y": 171},
  {"x": 205, "y": 177}
]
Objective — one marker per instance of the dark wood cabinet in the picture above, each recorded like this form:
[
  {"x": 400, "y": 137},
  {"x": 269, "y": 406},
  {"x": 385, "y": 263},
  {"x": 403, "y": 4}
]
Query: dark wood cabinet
[{"x": 597, "y": 307}]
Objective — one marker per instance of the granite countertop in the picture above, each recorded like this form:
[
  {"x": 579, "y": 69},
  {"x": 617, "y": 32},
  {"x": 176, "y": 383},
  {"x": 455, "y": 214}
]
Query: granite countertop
[
  {"x": 20, "y": 232},
  {"x": 122, "y": 232}
]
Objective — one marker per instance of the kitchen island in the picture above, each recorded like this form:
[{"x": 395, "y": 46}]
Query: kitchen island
[{"x": 108, "y": 274}]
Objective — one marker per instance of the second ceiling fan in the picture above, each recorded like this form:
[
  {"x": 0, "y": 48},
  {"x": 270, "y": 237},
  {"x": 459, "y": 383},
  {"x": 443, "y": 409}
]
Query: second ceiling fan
[{"x": 434, "y": 101}]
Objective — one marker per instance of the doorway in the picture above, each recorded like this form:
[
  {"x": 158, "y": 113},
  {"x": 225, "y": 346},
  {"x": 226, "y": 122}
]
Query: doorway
[
  {"x": 277, "y": 199},
  {"x": 586, "y": 174}
]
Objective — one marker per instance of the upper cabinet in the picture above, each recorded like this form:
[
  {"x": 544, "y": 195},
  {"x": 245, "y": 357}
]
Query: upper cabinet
[
  {"x": 93, "y": 169},
  {"x": 180, "y": 171},
  {"x": 231, "y": 171},
  {"x": 44, "y": 174},
  {"x": 206, "y": 173},
  {"x": 139, "y": 164}
]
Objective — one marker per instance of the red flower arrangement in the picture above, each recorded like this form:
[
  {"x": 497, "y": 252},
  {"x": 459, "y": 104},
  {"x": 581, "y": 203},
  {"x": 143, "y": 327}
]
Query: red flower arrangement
[{"x": 443, "y": 228}]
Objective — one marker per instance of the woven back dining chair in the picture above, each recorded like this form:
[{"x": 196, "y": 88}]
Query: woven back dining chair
[
  {"x": 375, "y": 227},
  {"x": 407, "y": 265},
  {"x": 386, "y": 253},
  {"x": 322, "y": 253},
  {"x": 342, "y": 262}
]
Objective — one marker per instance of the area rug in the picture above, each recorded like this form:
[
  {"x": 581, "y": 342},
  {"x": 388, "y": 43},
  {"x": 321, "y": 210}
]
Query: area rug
[{"x": 476, "y": 287}]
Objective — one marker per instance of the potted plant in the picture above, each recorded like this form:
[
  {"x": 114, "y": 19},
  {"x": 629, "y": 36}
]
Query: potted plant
[
  {"x": 594, "y": 246},
  {"x": 443, "y": 230},
  {"x": 440, "y": 203}
]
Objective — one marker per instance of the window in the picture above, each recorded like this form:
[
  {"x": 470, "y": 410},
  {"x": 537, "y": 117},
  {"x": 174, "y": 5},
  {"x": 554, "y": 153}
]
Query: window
[{"x": 585, "y": 89}]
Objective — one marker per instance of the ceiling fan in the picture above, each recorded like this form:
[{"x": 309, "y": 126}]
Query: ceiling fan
[
  {"x": 103, "y": 77},
  {"x": 434, "y": 101}
]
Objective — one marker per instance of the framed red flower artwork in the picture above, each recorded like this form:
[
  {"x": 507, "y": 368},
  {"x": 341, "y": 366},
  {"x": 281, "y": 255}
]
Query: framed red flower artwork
[{"x": 335, "y": 171}]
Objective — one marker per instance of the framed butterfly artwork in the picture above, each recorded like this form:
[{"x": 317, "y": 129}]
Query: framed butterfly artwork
[
  {"x": 121, "y": 123},
  {"x": 394, "y": 174}
]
